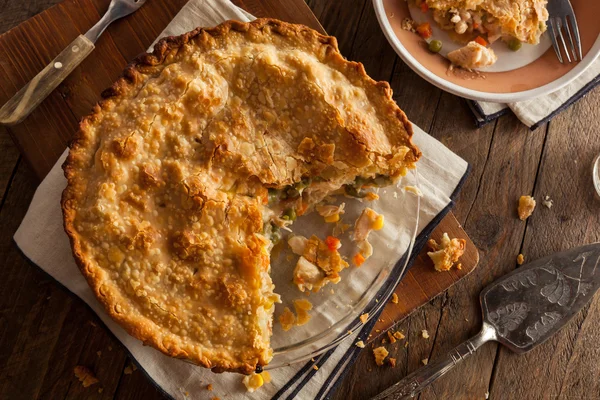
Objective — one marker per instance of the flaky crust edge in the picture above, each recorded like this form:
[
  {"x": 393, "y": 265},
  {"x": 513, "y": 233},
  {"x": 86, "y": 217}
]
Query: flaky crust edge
[{"x": 127, "y": 81}]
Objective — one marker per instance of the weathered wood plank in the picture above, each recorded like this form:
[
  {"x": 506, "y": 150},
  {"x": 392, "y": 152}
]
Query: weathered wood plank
[{"x": 564, "y": 366}]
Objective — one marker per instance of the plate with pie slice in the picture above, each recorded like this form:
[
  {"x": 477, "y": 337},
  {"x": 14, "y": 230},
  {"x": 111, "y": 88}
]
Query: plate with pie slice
[
  {"x": 241, "y": 195},
  {"x": 490, "y": 50}
]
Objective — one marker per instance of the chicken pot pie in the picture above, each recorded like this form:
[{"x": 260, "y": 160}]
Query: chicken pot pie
[
  {"x": 480, "y": 22},
  {"x": 180, "y": 178}
]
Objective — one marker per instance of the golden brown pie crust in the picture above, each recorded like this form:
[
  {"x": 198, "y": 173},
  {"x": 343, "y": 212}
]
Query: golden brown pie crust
[{"x": 199, "y": 201}]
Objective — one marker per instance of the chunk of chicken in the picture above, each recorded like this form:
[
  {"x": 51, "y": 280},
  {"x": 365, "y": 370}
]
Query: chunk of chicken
[
  {"x": 368, "y": 221},
  {"x": 473, "y": 55}
]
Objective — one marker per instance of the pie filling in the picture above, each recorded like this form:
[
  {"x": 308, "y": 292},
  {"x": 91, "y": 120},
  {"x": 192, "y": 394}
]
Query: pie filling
[
  {"x": 486, "y": 21},
  {"x": 180, "y": 179}
]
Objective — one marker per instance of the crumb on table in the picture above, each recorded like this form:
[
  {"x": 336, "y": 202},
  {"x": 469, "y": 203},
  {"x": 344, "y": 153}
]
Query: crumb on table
[
  {"x": 520, "y": 259},
  {"x": 360, "y": 344},
  {"x": 394, "y": 298},
  {"x": 85, "y": 376},
  {"x": 399, "y": 335},
  {"x": 392, "y": 362},
  {"x": 526, "y": 207},
  {"x": 425, "y": 334},
  {"x": 547, "y": 202},
  {"x": 446, "y": 253},
  {"x": 380, "y": 354},
  {"x": 425, "y": 361}
]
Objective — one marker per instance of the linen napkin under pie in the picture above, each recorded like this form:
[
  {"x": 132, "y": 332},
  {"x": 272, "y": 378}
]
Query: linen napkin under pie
[{"x": 42, "y": 239}]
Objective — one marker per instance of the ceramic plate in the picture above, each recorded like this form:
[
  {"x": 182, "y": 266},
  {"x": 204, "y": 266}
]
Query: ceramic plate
[{"x": 532, "y": 71}]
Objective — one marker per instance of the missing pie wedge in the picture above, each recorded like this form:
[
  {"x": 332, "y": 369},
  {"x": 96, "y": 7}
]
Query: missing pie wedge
[{"x": 180, "y": 177}]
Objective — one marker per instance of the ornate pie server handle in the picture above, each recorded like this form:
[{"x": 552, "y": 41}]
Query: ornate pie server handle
[
  {"x": 414, "y": 383},
  {"x": 34, "y": 92}
]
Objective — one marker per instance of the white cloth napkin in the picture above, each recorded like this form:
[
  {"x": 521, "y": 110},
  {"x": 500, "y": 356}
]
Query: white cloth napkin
[
  {"x": 42, "y": 239},
  {"x": 536, "y": 111}
]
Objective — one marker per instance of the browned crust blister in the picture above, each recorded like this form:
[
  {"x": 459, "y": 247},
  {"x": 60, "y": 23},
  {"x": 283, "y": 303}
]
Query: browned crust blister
[{"x": 166, "y": 48}]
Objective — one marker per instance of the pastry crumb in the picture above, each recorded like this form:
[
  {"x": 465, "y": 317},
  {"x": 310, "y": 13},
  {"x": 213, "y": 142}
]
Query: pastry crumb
[
  {"x": 100, "y": 390},
  {"x": 425, "y": 334},
  {"x": 520, "y": 259},
  {"x": 392, "y": 362},
  {"x": 302, "y": 307},
  {"x": 547, "y": 202},
  {"x": 372, "y": 196},
  {"x": 316, "y": 368},
  {"x": 360, "y": 344},
  {"x": 380, "y": 354},
  {"x": 394, "y": 298},
  {"x": 209, "y": 387},
  {"x": 526, "y": 207},
  {"x": 399, "y": 335},
  {"x": 425, "y": 361},
  {"x": 391, "y": 337},
  {"x": 383, "y": 341},
  {"x": 129, "y": 369},
  {"x": 287, "y": 319},
  {"x": 446, "y": 253},
  {"x": 487, "y": 395},
  {"x": 408, "y": 25},
  {"x": 85, "y": 376},
  {"x": 406, "y": 344},
  {"x": 364, "y": 318}
]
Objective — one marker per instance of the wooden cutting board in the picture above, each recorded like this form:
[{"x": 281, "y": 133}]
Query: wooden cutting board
[{"x": 44, "y": 135}]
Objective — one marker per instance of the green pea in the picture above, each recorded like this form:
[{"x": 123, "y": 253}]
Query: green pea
[
  {"x": 515, "y": 44},
  {"x": 359, "y": 181},
  {"x": 289, "y": 214},
  {"x": 352, "y": 191},
  {"x": 382, "y": 180},
  {"x": 273, "y": 195},
  {"x": 303, "y": 184},
  {"x": 275, "y": 234},
  {"x": 435, "y": 46},
  {"x": 292, "y": 193}
]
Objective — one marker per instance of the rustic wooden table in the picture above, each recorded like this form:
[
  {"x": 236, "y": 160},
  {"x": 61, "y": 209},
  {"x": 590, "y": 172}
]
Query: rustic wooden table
[{"x": 45, "y": 331}]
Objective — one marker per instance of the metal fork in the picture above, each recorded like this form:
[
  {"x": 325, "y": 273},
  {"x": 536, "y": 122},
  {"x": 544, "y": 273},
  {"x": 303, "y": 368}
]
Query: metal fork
[
  {"x": 561, "y": 13},
  {"x": 33, "y": 93}
]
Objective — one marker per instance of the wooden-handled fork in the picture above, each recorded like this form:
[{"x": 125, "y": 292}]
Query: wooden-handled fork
[{"x": 33, "y": 93}]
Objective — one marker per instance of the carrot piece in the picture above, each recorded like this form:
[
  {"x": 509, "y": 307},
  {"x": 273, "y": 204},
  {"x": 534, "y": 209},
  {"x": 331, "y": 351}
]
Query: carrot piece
[
  {"x": 332, "y": 243},
  {"x": 358, "y": 259},
  {"x": 481, "y": 41},
  {"x": 424, "y": 7},
  {"x": 424, "y": 30},
  {"x": 475, "y": 25}
]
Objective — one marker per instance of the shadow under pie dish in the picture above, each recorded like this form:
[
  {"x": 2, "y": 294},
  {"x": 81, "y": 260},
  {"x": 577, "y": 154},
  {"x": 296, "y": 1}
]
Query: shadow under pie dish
[{"x": 181, "y": 175}]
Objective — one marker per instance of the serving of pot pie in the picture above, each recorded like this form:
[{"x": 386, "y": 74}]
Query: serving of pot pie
[
  {"x": 181, "y": 177},
  {"x": 477, "y": 23}
]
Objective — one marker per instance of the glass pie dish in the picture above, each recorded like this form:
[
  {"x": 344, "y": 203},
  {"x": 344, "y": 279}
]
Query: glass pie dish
[{"x": 365, "y": 289}]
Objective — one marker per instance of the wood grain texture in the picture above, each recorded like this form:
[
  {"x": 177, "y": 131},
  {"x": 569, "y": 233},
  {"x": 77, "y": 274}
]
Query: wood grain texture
[
  {"x": 18, "y": 107},
  {"x": 45, "y": 332}
]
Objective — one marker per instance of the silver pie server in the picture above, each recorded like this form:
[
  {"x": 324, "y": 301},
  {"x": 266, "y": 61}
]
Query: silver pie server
[
  {"x": 520, "y": 310},
  {"x": 33, "y": 93}
]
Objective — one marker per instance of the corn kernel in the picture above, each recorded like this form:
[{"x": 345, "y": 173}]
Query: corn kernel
[
  {"x": 378, "y": 224},
  {"x": 332, "y": 218},
  {"x": 253, "y": 382},
  {"x": 266, "y": 376}
]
